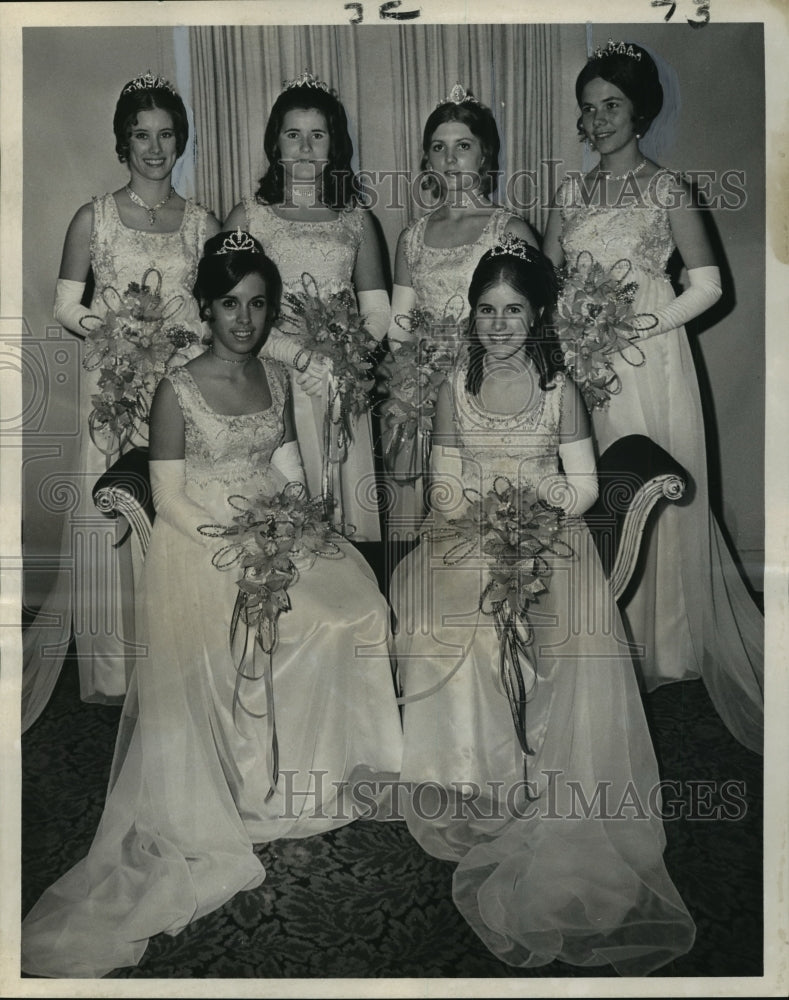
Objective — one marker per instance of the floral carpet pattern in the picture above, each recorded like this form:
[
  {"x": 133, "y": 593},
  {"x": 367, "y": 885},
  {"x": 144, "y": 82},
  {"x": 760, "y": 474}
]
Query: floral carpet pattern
[{"x": 365, "y": 901}]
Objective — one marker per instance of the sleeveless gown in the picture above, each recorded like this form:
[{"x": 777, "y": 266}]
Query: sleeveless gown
[
  {"x": 564, "y": 876},
  {"x": 187, "y": 796},
  {"x": 94, "y": 590},
  {"x": 327, "y": 251},
  {"x": 690, "y": 612},
  {"x": 440, "y": 277}
]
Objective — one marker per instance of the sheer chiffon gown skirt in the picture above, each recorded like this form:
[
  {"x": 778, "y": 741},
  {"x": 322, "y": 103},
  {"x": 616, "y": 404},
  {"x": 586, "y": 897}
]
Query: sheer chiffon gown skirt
[
  {"x": 190, "y": 792},
  {"x": 560, "y": 853}
]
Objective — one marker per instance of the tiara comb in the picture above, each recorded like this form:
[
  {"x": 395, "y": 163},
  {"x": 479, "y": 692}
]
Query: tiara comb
[
  {"x": 237, "y": 242},
  {"x": 616, "y": 49},
  {"x": 306, "y": 79},
  {"x": 458, "y": 95},
  {"x": 148, "y": 82},
  {"x": 514, "y": 246}
]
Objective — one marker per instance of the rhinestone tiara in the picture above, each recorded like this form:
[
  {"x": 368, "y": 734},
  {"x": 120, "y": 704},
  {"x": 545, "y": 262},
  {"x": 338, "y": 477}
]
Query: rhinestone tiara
[
  {"x": 307, "y": 79},
  {"x": 514, "y": 246},
  {"x": 148, "y": 82},
  {"x": 237, "y": 242},
  {"x": 616, "y": 49},
  {"x": 458, "y": 95}
]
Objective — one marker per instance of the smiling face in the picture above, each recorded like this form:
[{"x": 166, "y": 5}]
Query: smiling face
[
  {"x": 152, "y": 145},
  {"x": 238, "y": 319},
  {"x": 304, "y": 144},
  {"x": 607, "y": 117},
  {"x": 503, "y": 319},
  {"x": 456, "y": 153}
]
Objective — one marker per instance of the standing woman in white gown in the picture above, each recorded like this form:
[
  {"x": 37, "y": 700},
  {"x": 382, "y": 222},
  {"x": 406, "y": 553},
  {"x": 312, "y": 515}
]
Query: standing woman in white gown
[
  {"x": 117, "y": 238},
  {"x": 437, "y": 253},
  {"x": 195, "y": 782},
  {"x": 690, "y": 613},
  {"x": 307, "y": 215}
]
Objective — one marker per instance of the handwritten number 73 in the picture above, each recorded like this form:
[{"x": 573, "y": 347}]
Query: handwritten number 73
[{"x": 702, "y": 11}]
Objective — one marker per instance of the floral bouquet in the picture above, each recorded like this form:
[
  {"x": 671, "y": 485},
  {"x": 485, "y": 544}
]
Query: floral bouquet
[
  {"x": 131, "y": 346},
  {"x": 267, "y": 535},
  {"x": 595, "y": 320},
  {"x": 330, "y": 326},
  {"x": 412, "y": 378},
  {"x": 517, "y": 532}
]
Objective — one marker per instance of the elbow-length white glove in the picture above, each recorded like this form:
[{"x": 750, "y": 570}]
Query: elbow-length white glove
[
  {"x": 446, "y": 481},
  {"x": 576, "y": 489},
  {"x": 287, "y": 460},
  {"x": 374, "y": 307},
  {"x": 68, "y": 309},
  {"x": 403, "y": 301},
  {"x": 705, "y": 290},
  {"x": 168, "y": 486},
  {"x": 311, "y": 371}
]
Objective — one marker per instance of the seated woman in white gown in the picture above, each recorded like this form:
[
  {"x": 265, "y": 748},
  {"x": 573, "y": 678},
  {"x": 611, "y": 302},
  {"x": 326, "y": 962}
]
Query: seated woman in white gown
[
  {"x": 526, "y": 750},
  {"x": 212, "y": 755}
]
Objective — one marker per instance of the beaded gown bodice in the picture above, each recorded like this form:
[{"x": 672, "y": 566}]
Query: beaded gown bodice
[
  {"x": 225, "y": 453},
  {"x": 522, "y": 447},
  {"x": 637, "y": 229},
  {"x": 440, "y": 276},
  {"x": 120, "y": 255},
  {"x": 324, "y": 249}
]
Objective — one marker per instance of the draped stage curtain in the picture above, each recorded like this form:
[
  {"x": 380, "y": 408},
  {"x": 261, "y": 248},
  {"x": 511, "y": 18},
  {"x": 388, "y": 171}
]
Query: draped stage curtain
[{"x": 389, "y": 79}]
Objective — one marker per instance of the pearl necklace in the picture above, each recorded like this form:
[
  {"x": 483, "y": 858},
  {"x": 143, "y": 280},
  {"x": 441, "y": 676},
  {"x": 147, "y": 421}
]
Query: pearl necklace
[
  {"x": 151, "y": 210},
  {"x": 228, "y": 361},
  {"x": 628, "y": 173}
]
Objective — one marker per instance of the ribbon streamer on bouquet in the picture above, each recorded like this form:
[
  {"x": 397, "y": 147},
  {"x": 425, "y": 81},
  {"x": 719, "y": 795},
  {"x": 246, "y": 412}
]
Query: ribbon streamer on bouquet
[
  {"x": 515, "y": 531},
  {"x": 414, "y": 375},
  {"x": 515, "y": 635},
  {"x": 268, "y": 534},
  {"x": 407, "y": 458},
  {"x": 262, "y": 636},
  {"x": 334, "y": 451}
]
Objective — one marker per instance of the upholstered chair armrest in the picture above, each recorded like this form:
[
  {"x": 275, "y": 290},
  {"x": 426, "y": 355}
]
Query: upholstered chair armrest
[
  {"x": 125, "y": 489},
  {"x": 636, "y": 476}
]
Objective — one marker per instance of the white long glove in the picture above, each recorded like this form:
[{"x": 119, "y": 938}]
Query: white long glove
[
  {"x": 374, "y": 307},
  {"x": 705, "y": 290},
  {"x": 287, "y": 460},
  {"x": 446, "y": 481},
  {"x": 168, "y": 486},
  {"x": 281, "y": 347},
  {"x": 403, "y": 301},
  {"x": 576, "y": 490},
  {"x": 68, "y": 309}
]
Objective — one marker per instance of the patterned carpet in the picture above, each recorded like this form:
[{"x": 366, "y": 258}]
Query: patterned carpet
[{"x": 365, "y": 901}]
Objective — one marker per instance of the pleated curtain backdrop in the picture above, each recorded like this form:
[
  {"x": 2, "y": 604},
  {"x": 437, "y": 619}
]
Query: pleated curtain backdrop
[
  {"x": 237, "y": 74},
  {"x": 389, "y": 79},
  {"x": 512, "y": 68}
]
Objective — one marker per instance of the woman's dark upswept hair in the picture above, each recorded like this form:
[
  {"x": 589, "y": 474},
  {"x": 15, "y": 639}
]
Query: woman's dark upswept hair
[
  {"x": 339, "y": 189},
  {"x": 218, "y": 273},
  {"x": 480, "y": 122},
  {"x": 638, "y": 80},
  {"x": 535, "y": 279},
  {"x": 149, "y": 99}
]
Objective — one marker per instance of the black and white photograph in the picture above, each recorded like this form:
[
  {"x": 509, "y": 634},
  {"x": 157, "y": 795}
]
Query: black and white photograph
[{"x": 394, "y": 549}]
